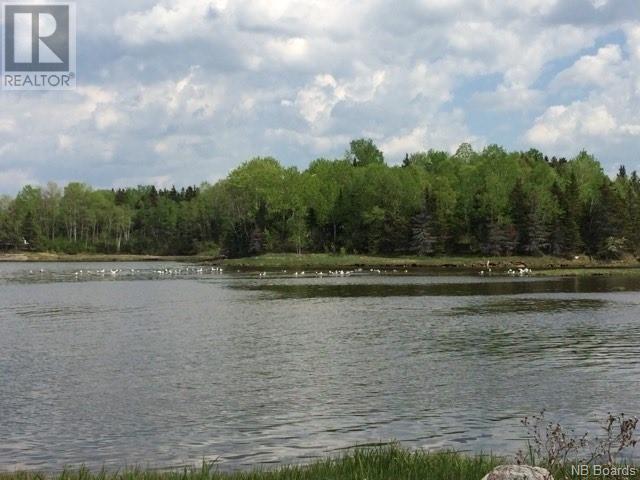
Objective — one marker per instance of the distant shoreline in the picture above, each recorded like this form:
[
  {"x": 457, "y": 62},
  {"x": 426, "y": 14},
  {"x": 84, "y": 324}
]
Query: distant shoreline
[
  {"x": 543, "y": 266},
  {"x": 28, "y": 257}
]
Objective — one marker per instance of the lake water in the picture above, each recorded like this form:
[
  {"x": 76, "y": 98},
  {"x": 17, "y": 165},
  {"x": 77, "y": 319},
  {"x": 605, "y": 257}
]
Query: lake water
[{"x": 147, "y": 367}]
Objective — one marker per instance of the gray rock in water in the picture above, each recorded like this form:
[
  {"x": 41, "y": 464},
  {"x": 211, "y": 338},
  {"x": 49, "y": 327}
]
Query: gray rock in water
[{"x": 518, "y": 472}]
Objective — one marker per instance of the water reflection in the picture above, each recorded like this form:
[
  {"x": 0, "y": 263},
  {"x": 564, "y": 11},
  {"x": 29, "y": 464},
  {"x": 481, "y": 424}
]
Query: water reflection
[
  {"x": 520, "y": 306},
  {"x": 444, "y": 286}
]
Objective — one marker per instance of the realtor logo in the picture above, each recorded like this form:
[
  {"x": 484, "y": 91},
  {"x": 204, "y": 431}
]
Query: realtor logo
[{"x": 39, "y": 46}]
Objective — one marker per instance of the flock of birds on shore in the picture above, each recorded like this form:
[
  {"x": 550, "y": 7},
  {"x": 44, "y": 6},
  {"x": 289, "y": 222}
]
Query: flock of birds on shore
[
  {"x": 520, "y": 272},
  {"x": 333, "y": 273},
  {"x": 191, "y": 271},
  {"x": 119, "y": 272}
]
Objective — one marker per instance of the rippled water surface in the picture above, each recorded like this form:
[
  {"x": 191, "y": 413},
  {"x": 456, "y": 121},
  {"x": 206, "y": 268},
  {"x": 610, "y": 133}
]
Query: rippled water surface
[{"x": 164, "y": 365}]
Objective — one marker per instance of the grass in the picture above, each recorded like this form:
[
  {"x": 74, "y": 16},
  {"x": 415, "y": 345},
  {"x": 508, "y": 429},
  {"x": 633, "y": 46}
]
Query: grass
[
  {"x": 380, "y": 463},
  {"x": 321, "y": 260}
]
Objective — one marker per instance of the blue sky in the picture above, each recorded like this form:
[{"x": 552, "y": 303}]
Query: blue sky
[{"x": 182, "y": 91}]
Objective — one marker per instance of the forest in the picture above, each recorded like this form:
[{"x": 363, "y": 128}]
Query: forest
[{"x": 492, "y": 202}]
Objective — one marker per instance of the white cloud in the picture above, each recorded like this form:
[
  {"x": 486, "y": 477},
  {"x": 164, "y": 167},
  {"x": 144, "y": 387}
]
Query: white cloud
[
  {"x": 176, "y": 144},
  {"x": 288, "y": 50},
  {"x": 431, "y": 81},
  {"x": 561, "y": 125},
  {"x": 187, "y": 89},
  {"x": 65, "y": 143},
  {"x": 446, "y": 133},
  {"x": 607, "y": 120},
  {"x": 629, "y": 129},
  {"x": 166, "y": 23},
  {"x": 633, "y": 40},
  {"x": 316, "y": 101},
  {"x": 15, "y": 178},
  {"x": 510, "y": 98},
  {"x": 106, "y": 118},
  {"x": 317, "y": 143},
  {"x": 600, "y": 69}
]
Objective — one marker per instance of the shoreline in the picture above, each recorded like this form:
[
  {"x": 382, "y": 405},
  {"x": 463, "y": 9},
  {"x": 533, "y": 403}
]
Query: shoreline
[
  {"x": 36, "y": 257},
  {"x": 541, "y": 266}
]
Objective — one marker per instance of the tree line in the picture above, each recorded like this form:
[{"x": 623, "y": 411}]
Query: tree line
[{"x": 492, "y": 202}]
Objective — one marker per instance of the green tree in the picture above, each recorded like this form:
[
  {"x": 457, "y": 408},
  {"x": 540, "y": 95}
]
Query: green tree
[{"x": 363, "y": 152}]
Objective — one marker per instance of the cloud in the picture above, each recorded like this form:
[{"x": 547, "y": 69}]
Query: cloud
[
  {"x": 431, "y": 81},
  {"x": 15, "y": 178},
  {"x": 181, "y": 90},
  {"x": 65, "y": 143},
  {"x": 606, "y": 119},
  {"x": 561, "y": 124},
  {"x": 444, "y": 134},
  {"x": 509, "y": 98},
  {"x": 316, "y": 101},
  {"x": 600, "y": 69},
  {"x": 164, "y": 24}
]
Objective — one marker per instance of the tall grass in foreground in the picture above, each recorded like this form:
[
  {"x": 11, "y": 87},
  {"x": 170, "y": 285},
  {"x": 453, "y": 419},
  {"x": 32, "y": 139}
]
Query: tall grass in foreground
[{"x": 381, "y": 463}]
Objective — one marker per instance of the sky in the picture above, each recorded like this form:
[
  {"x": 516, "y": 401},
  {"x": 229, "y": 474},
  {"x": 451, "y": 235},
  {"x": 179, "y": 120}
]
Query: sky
[{"x": 183, "y": 91}]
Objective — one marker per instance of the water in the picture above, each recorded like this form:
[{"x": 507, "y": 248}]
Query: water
[{"x": 147, "y": 367}]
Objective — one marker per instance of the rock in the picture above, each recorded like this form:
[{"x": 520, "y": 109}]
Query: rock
[{"x": 518, "y": 472}]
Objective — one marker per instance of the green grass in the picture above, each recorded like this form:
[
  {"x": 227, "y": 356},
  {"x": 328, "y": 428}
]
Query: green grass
[
  {"x": 383, "y": 463},
  {"x": 321, "y": 260},
  {"x": 380, "y": 463}
]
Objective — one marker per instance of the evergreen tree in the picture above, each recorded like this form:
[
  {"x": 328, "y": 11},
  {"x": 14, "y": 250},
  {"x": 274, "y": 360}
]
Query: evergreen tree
[
  {"x": 423, "y": 227},
  {"x": 602, "y": 227},
  {"x": 521, "y": 217},
  {"x": 500, "y": 238}
]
